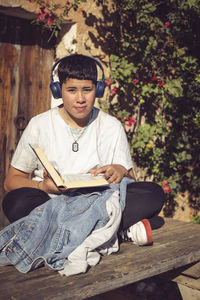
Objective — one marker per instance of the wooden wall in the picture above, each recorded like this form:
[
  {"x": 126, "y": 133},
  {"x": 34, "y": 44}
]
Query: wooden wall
[{"x": 25, "y": 65}]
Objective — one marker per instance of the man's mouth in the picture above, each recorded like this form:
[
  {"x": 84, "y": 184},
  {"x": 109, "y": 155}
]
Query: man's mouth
[{"x": 81, "y": 109}]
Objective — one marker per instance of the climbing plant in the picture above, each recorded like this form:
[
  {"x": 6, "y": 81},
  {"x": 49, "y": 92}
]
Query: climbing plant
[
  {"x": 154, "y": 88},
  {"x": 53, "y": 13}
]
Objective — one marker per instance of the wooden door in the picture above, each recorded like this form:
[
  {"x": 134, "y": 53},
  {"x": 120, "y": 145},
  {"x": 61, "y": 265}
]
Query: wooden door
[{"x": 25, "y": 65}]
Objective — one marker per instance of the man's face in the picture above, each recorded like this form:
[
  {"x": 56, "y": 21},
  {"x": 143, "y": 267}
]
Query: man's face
[{"x": 78, "y": 99}]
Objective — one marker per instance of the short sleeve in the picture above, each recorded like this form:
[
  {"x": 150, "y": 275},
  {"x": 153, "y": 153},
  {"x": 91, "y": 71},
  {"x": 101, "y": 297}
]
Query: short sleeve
[
  {"x": 24, "y": 158},
  {"x": 122, "y": 150}
]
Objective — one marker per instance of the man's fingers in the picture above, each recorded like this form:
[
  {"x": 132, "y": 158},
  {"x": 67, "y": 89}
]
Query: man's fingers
[
  {"x": 114, "y": 179},
  {"x": 110, "y": 173},
  {"x": 96, "y": 172},
  {"x": 45, "y": 174}
]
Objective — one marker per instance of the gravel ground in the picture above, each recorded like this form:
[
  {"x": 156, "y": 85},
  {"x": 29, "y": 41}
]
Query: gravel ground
[{"x": 153, "y": 288}]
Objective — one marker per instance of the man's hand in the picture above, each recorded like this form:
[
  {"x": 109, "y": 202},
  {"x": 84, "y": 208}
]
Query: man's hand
[
  {"x": 112, "y": 173},
  {"x": 48, "y": 186}
]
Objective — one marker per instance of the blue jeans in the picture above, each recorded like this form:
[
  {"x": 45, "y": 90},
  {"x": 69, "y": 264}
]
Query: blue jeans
[{"x": 143, "y": 200}]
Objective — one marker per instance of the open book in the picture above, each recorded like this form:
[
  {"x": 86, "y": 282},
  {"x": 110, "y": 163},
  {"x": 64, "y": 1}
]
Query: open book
[{"x": 70, "y": 181}]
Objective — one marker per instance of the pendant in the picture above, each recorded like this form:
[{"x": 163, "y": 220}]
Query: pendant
[{"x": 75, "y": 147}]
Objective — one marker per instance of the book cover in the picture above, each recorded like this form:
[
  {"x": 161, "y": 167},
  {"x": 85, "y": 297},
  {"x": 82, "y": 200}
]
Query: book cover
[{"x": 70, "y": 181}]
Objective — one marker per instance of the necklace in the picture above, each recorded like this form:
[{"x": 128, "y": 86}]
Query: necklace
[
  {"x": 74, "y": 133},
  {"x": 75, "y": 145}
]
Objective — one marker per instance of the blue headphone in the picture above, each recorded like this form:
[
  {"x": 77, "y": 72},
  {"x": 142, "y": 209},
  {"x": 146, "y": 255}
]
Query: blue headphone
[{"x": 56, "y": 86}]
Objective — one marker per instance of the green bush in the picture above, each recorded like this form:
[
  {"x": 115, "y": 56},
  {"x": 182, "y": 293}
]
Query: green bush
[
  {"x": 154, "y": 88},
  {"x": 195, "y": 219}
]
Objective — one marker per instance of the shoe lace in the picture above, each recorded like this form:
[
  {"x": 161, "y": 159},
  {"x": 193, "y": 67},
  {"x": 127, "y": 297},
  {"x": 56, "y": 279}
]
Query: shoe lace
[{"x": 124, "y": 236}]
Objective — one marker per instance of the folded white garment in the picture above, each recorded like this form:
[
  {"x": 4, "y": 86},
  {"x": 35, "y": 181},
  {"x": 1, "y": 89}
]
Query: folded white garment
[{"x": 100, "y": 242}]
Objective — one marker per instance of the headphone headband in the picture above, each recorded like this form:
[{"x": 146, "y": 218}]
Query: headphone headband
[{"x": 56, "y": 86}]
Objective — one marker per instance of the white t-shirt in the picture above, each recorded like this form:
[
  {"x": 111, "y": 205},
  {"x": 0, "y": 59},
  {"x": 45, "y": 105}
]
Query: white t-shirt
[{"x": 103, "y": 142}]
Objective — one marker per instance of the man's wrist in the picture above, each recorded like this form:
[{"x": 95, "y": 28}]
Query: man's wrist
[{"x": 126, "y": 173}]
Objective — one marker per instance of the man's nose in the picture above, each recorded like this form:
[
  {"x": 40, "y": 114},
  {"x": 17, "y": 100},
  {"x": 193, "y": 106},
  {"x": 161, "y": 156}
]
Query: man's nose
[{"x": 80, "y": 96}]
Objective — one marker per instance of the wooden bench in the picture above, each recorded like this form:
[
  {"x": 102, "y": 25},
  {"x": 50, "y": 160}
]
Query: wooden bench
[{"x": 176, "y": 244}]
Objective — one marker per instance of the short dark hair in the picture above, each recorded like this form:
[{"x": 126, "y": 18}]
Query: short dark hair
[{"x": 77, "y": 66}]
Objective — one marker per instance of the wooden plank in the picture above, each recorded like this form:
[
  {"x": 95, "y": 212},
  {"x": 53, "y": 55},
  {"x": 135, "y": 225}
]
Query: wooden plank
[
  {"x": 175, "y": 244},
  {"x": 193, "y": 271},
  {"x": 26, "y": 61},
  {"x": 8, "y": 53},
  {"x": 188, "y": 281},
  {"x": 188, "y": 293}
]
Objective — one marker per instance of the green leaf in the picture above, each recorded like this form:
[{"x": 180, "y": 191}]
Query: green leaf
[
  {"x": 174, "y": 87},
  {"x": 192, "y": 3}
]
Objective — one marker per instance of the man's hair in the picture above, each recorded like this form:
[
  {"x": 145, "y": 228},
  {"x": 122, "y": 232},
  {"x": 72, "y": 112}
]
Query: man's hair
[{"x": 77, "y": 66}]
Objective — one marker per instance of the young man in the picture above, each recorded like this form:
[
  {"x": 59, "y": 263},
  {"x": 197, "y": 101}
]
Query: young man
[{"x": 79, "y": 138}]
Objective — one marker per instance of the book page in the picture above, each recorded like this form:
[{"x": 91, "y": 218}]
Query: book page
[
  {"x": 84, "y": 180},
  {"x": 81, "y": 177},
  {"x": 47, "y": 165}
]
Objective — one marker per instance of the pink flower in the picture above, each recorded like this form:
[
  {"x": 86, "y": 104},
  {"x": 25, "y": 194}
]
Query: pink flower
[
  {"x": 167, "y": 24},
  {"x": 154, "y": 78},
  {"x": 167, "y": 190},
  {"x": 108, "y": 82},
  {"x": 160, "y": 83},
  {"x": 131, "y": 121},
  {"x": 114, "y": 90},
  {"x": 50, "y": 21},
  {"x": 165, "y": 183},
  {"x": 42, "y": 16},
  {"x": 135, "y": 81}
]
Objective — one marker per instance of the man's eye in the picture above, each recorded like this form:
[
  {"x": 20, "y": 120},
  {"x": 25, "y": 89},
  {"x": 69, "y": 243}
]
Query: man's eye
[
  {"x": 71, "y": 90},
  {"x": 87, "y": 90}
]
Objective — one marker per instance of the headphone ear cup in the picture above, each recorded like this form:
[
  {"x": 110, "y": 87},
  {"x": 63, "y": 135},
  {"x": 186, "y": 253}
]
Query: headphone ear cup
[
  {"x": 100, "y": 89},
  {"x": 56, "y": 89}
]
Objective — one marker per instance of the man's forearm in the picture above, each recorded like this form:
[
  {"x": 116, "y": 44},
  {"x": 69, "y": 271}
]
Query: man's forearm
[{"x": 17, "y": 181}]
